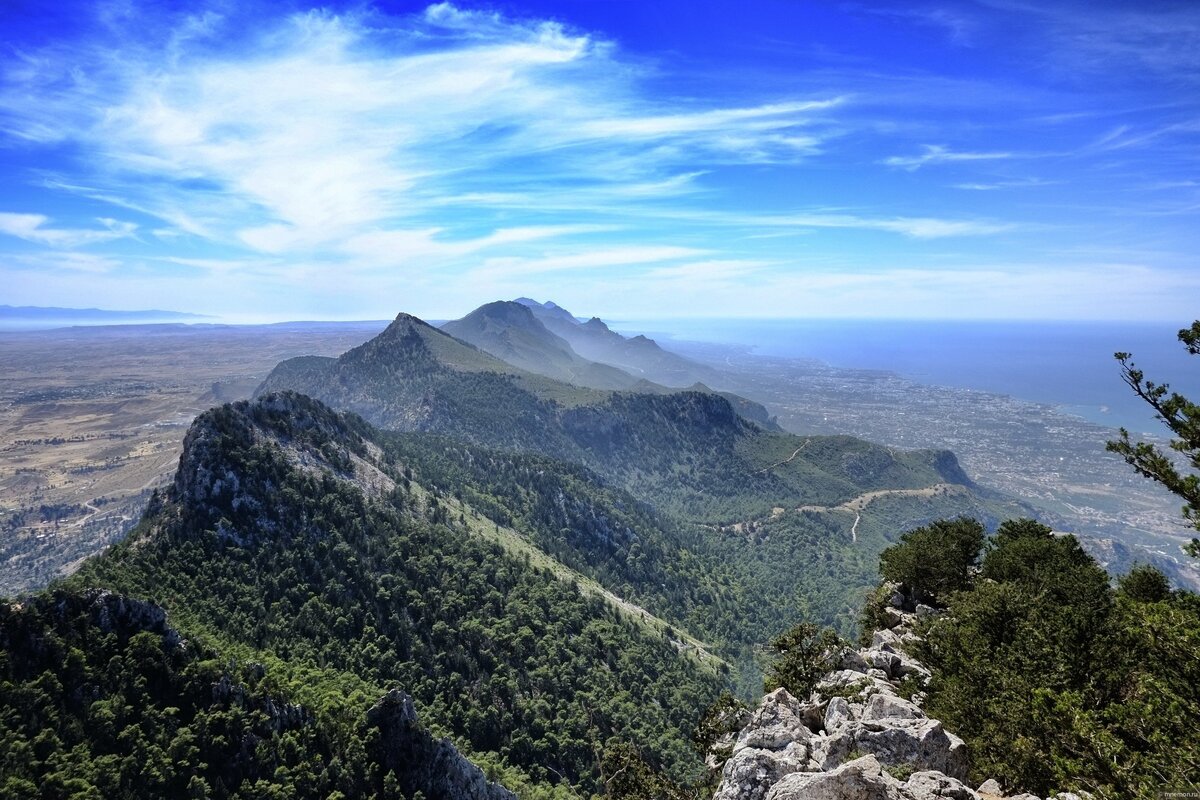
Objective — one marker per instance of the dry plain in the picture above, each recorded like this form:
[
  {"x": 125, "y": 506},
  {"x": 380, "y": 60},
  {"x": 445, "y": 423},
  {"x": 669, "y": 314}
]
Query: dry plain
[{"x": 92, "y": 419}]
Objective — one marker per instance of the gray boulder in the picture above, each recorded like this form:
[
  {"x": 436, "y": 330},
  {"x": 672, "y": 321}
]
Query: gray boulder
[
  {"x": 991, "y": 788},
  {"x": 885, "y": 706},
  {"x": 885, "y": 639},
  {"x": 919, "y": 743},
  {"x": 777, "y": 722},
  {"x": 830, "y": 752},
  {"x": 853, "y": 660},
  {"x": 751, "y": 772},
  {"x": 860, "y": 779},
  {"x": 837, "y": 713},
  {"x": 936, "y": 786}
]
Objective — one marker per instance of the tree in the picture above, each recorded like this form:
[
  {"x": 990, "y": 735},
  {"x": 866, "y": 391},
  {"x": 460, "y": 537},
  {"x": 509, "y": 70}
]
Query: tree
[
  {"x": 935, "y": 560},
  {"x": 1182, "y": 417},
  {"x": 1145, "y": 584},
  {"x": 806, "y": 653}
]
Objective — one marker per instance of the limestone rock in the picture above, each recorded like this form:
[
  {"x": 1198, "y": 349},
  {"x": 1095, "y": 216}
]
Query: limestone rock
[
  {"x": 920, "y": 743},
  {"x": 853, "y": 660},
  {"x": 830, "y": 752},
  {"x": 885, "y": 638},
  {"x": 804, "y": 750},
  {"x": 991, "y": 787},
  {"x": 883, "y": 660},
  {"x": 777, "y": 722},
  {"x": 861, "y": 779},
  {"x": 836, "y": 714},
  {"x": 751, "y": 772},
  {"x": 883, "y": 706},
  {"x": 909, "y": 666},
  {"x": 936, "y": 786}
]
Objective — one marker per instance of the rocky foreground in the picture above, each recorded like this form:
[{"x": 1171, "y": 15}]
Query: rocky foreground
[{"x": 861, "y": 735}]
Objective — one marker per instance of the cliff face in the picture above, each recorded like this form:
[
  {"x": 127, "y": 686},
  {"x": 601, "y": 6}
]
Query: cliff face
[
  {"x": 421, "y": 763},
  {"x": 861, "y": 735}
]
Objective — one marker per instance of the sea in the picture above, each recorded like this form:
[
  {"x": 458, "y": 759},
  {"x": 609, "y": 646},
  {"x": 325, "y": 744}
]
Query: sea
[{"x": 1068, "y": 365}]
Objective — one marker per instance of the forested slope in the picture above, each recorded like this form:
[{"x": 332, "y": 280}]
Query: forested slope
[{"x": 288, "y": 538}]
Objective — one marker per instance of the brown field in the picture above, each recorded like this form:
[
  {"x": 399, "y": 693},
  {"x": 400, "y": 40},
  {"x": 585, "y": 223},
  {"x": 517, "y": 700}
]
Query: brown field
[{"x": 92, "y": 420}]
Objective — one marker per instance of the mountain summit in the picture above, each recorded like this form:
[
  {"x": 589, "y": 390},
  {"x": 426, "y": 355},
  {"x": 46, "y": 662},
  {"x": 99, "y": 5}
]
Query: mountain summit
[
  {"x": 638, "y": 355},
  {"x": 511, "y": 331}
]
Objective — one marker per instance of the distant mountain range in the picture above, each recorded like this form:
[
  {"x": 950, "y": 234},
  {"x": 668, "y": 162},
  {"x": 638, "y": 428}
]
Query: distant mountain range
[
  {"x": 546, "y": 339},
  {"x": 638, "y": 355},
  {"x": 691, "y": 452},
  {"x": 40, "y": 317}
]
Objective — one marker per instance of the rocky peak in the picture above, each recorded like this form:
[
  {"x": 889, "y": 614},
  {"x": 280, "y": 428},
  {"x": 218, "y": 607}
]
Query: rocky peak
[
  {"x": 420, "y": 762},
  {"x": 861, "y": 735}
]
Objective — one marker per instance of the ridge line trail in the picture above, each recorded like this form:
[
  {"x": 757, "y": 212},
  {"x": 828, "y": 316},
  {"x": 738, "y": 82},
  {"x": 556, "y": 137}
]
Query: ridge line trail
[
  {"x": 860, "y": 503},
  {"x": 79, "y": 522},
  {"x": 787, "y": 460}
]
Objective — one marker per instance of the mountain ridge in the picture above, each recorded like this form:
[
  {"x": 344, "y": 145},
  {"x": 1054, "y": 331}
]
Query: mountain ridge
[
  {"x": 510, "y": 331},
  {"x": 638, "y": 355},
  {"x": 415, "y": 377}
]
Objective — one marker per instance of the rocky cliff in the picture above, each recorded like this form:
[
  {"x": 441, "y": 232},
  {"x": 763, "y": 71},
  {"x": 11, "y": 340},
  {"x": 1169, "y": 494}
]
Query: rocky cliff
[{"x": 861, "y": 735}]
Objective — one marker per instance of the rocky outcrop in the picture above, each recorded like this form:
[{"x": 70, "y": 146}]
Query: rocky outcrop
[
  {"x": 861, "y": 735},
  {"x": 421, "y": 763}
]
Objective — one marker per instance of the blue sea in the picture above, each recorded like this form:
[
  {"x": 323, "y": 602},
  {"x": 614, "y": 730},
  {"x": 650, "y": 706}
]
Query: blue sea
[{"x": 1069, "y": 365}]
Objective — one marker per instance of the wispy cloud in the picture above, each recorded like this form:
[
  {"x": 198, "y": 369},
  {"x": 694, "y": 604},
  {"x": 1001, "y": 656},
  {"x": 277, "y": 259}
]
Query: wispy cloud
[
  {"x": 995, "y": 185},
  {"x": 939, "y": 154},
  {"x": 334, "y": 134},
  {"x": 357, "y": 156},
  {"x": 913, "y": 227},
  {"x": 1096, "y": 37},
  {"x": 34, "y": 228},
  {"x": 712, "y": 270},
  {"x": 605, "y": 259}
]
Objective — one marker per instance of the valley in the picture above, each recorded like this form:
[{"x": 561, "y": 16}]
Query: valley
[{"x": 1053, "y": 461}]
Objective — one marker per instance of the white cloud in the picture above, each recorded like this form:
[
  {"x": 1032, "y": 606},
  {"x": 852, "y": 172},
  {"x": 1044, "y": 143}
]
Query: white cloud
[
  {"x": 712, "y": 270},
  {"x": 939, "y": 154},
  {"x": 33, "y": 228},
  {"x": 388, "y": 247},
  {"x": 911, "y": 227},
  {"x": 328, "y": 130},
  {"x": 995, "y": 185},
  {"x": 509, "y": 267}
]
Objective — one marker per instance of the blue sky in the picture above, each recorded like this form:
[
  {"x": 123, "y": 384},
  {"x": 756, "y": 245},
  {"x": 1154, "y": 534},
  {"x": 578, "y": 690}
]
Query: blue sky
[{"x": 264, "y": 161}]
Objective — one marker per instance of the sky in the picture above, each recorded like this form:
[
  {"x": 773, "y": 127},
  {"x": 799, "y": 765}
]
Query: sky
[{"x": 264, "y": 161}]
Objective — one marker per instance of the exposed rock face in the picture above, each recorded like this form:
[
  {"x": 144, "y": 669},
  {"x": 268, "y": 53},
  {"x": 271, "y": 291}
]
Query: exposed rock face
[
  {"x": 422, "y": 763},
  {"x": 116, "y": 612},
  {"x": 855, "y": 737}
]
